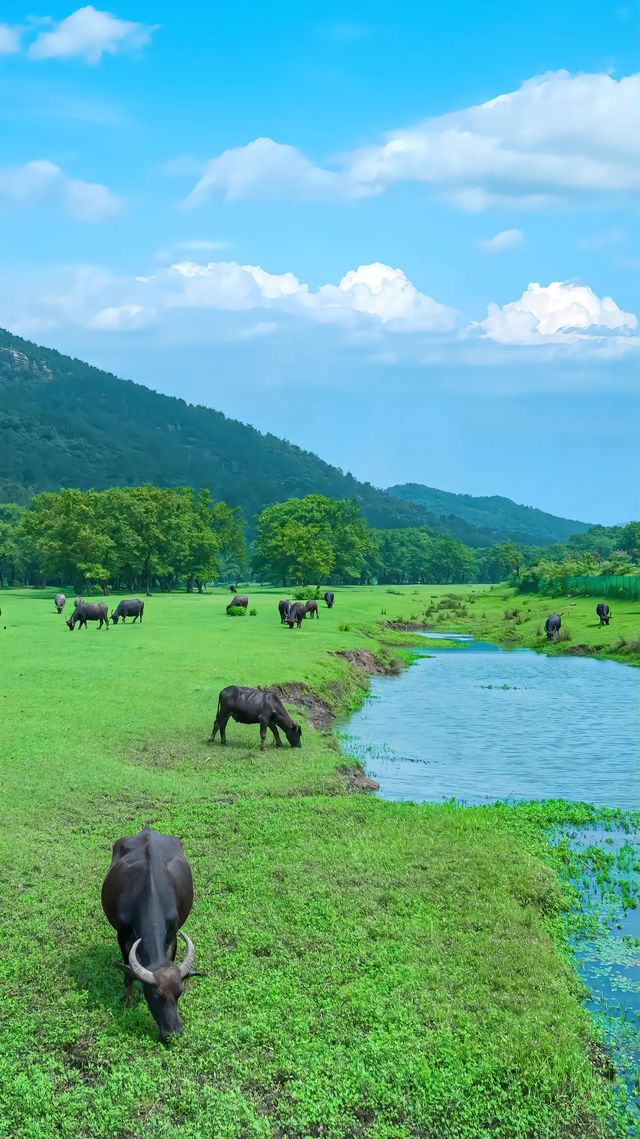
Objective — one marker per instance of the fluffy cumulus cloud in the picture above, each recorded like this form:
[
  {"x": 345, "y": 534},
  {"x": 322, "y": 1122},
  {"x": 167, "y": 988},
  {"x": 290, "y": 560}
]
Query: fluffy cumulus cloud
[
  {"x": 88, "y": 34},
  {"x": 558, "y": 136},
  {"x": 502, "y": 242},
  {"x": 42, "y": 183},
  {"x": 559, "y": 313}
]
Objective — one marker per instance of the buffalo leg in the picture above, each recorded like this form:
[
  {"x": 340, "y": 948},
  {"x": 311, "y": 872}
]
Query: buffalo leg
[
  {"x": 219, "y": 725},
  {"x": 276, "y": 735},
  {"x": 263, "y": 734}
]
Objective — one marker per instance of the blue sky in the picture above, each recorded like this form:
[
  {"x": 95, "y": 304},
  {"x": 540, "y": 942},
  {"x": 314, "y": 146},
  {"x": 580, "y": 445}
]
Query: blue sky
[{"x": 402, "y": 237}]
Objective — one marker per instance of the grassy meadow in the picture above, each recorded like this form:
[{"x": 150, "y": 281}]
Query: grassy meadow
[{"x": 375, "y": 970}]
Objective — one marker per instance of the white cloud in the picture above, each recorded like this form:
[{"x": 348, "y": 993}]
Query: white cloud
[
  {"x": 122, "y": 318},
  {"x": 388, "y": 295},
  {"x": 262, "y": 167},
  {"x": 559, "y": 313},
  {"x": 557, "y": 137},
  {"x": 9, "y": 39},
  {"x": 89, "y": 34},
  {"x": 508, "y": 239},
  {"x": 42, "y": 183}
]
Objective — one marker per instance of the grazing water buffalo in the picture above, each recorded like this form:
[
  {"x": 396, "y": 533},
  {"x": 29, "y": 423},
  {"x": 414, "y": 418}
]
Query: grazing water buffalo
[
  {"x": 89, "y": 612},
  {"x": 552, "y": 626},
  {"x": 131, "y": 608},
  {"x": 603, "y": 611},
  {"x": 240, "y": 600},
  {"x": 312, "y": 608},
  {"x": 78, "y": 601},
  {"x": 296, "y": 614},
  {"x": 283, "y": 609},
  {"x": 329, "y": 599},
  {"x": 254, "y": 706},
  {"x": 59, "y": 601},
  {"x": 147, "y": 896}
]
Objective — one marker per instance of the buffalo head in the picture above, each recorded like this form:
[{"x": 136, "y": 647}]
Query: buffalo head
[
  {"x": 71, "y": 622},
  {"x": 114, "y": 617},
  {"x": 163, "y": 986},
  {"x": 294, "y": 735}
]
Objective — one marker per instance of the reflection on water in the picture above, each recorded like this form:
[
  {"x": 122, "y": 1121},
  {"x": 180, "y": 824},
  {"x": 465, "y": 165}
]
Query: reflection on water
[{"x": 481, "y": 724}]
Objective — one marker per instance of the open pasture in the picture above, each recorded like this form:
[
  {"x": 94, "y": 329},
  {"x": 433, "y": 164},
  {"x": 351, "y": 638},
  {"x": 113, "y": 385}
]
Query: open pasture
[{"x": 374, "y": 969}]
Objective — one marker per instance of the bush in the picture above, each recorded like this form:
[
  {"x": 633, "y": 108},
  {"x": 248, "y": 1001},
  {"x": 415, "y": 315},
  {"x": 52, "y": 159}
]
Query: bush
[
  {"x": 344, "y": 628},
  {"x": 308, "y": 593},
  {"x": 253, "y": 612},
  {"x": 563, "y": 635},
  {"x": 236, "y": 611}
]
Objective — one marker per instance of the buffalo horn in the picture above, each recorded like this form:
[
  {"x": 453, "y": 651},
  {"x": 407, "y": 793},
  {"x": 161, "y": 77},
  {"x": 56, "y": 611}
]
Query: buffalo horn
[
  {"x": 137, "y": 969},
  {"x": 189, "y": 957}
]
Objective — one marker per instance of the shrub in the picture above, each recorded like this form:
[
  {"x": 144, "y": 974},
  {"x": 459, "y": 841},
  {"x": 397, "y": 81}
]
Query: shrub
[
  {"x": 307, "y": 593},
  {"x": 236, "y": 611},
  {"x": 564, "y": 635},
  {"x": 253, "y": 612},
  {"x": 344, "y": 628}
]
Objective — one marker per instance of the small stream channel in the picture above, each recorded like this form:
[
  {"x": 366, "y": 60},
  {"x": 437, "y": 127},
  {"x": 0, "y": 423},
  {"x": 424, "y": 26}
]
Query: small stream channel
[{"x": 480, "y": 724}]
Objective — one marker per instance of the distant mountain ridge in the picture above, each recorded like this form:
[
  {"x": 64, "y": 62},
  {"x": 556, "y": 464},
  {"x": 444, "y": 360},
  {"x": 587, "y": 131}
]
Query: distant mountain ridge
[
  {"x": 496, "y": 517},
  {"x": 64, "y": 423}
]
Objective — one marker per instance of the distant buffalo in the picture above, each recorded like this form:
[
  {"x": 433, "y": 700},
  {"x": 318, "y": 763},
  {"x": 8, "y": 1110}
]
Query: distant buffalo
[
  {"x": 78, "y": 601},
  {"x": 131, "y": 608},
  {"x": 254, "y": 706},
  {"x": 312, "y": 608},
  {"x": 296, "y": 614},
  {"x": 329, "y": 599},
  {"x": 240, "y": 601},
  {"x": 92, "y": 612},
  {"x": 603, "y": 612},
  {"x": 59, "y": 601},
  {"x": 283, "y": 609},
  {"x": 552, "y": 626}
]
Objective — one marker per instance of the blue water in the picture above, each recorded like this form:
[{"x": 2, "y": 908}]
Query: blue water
[{"x": 481, "y": 724}]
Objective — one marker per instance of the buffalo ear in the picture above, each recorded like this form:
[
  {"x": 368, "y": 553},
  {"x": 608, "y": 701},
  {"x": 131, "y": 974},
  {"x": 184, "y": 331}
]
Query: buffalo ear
[{"x": 125, "y": 968}]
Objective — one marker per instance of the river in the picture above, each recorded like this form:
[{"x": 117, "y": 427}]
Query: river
[{"x": 481, "y": 724}]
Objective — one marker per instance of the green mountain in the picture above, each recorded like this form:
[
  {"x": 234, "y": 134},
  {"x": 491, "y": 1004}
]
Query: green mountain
[
  {"x": 64, "y": 423},
  {"x": 495, "y": 517}
]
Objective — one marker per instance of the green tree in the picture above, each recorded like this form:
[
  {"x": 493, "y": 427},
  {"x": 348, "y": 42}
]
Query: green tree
[{"x": 311, "y": 538}]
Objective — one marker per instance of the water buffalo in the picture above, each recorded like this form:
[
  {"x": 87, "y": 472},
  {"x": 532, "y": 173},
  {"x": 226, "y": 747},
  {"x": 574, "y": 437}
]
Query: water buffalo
[
  {"x": 312, "y": 608},
  {"x": 240, "y": 600},
  {"x": 254, "y": 706},
  {"x": 329, "y": 599},
  {"x": 89, "y": 612},
  {"x": 78, "y": 601},
  {"x": 296, "y": 614},
  {"x": 552, "y": 626},
  {"x": 283, "y": 609},
  {"x": 604, "y": 613},
  {"x": 147, "y": 896},
  {"x": 59, "y": 601},
  {"x": 131, "y": 608}
]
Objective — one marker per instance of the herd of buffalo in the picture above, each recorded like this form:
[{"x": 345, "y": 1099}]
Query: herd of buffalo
[{"x": 147, "y": 894}]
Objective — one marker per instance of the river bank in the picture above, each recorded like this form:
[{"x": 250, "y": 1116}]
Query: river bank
[{"x": 375, "y": 970}]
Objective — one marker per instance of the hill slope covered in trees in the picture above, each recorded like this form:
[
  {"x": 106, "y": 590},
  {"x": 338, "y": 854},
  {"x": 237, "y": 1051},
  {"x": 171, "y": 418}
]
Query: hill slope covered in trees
[
  {"x": 495, "y": 517},
  {"x": 64, "y": 423}
]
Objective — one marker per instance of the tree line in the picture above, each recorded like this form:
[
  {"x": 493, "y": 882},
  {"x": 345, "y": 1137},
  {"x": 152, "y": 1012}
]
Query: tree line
[{"x": 138, "y": 538}]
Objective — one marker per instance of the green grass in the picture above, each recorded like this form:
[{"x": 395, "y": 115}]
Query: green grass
[{"x": 375, "y": 970}]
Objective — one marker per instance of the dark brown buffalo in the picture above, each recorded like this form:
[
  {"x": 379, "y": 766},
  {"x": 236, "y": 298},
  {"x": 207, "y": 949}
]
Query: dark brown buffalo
[
  {"x": 131, "y": 608},
  {"x": 240, "y": 600},
  {"x": 603, "y": 612},
  {"x": 552, "y": 626},
  {"x": 254, "y": 706},
  {"x": 89, "y": 611},
  {"x": 59, "y": 601},
  {"x": 283, "y": 609},
  {"x": 147, "y": 896},
  {"x": 329, "y": 599},
  {"x": 312, "y": 608},
  {"x": 296, "y": 614}
]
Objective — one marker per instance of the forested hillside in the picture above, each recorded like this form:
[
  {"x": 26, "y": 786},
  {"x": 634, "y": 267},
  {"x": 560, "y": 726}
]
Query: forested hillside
[
  {"x": 64, "y": 423},
  {"x": 495, "y": 518}
]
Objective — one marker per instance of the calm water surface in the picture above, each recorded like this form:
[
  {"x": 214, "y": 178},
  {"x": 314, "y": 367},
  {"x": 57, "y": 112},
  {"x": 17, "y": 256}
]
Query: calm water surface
[{"x": 480, "y": 724}]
